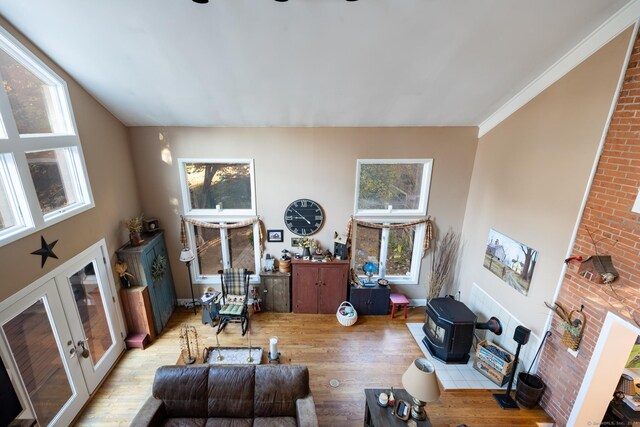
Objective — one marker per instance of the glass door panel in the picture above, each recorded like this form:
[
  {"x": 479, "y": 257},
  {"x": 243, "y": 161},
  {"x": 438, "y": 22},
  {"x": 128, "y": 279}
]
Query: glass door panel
[
  {"x": 89, "y": 304},
  {"x": 90, "y": 307},
  {"x": 33, "y": 344}
]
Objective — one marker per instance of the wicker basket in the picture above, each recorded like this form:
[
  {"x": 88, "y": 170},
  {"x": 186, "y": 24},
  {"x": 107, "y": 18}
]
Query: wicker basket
[
  {"x": 570, "y": 340},
  {"x": 346, "y": 319}
]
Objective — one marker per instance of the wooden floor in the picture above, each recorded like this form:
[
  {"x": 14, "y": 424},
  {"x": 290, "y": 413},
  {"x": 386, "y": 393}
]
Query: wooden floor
[{"x": 374, "y": 353}]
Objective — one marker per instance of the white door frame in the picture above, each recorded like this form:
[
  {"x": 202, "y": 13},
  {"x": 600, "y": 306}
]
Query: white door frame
[
  {"x": 92, "y": 374},
  {"x": 33, "y": 292},
  {"x": 609, "y": 357}
]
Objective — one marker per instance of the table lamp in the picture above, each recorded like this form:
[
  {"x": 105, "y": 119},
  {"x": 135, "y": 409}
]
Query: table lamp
[
  {"x": 421, "y": 382},
  {"x": 186, "y": 256}
]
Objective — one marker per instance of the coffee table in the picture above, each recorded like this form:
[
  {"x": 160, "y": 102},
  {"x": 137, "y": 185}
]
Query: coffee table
[{"x": 377, "y": 416}]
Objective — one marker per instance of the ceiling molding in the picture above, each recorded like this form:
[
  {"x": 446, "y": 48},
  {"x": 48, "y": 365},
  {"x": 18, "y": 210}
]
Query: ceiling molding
[{"x": 623, "y": 19}]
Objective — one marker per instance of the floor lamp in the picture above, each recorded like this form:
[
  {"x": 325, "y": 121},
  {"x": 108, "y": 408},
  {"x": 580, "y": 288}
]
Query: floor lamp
[{"x": 187, "y": 256}]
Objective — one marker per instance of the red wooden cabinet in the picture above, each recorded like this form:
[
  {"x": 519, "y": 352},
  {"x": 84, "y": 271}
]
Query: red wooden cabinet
[{"x": 319, "y": 287}]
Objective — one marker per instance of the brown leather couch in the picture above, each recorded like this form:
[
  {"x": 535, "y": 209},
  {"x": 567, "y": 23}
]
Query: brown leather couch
[{"x": 229, "y": 396}]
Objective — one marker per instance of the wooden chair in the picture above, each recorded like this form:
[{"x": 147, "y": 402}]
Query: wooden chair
[{"x": 235, "y": 294}]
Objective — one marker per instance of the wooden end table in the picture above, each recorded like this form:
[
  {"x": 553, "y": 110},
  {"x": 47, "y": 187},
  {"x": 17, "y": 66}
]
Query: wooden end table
[{"x": 377, "y": 416}]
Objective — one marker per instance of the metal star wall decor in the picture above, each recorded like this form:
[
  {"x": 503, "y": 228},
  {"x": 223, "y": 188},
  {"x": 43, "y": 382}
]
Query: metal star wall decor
[{"x": 45, "y": 251}]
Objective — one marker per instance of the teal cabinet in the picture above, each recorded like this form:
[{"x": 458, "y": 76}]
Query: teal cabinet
[{"x": 146, "y": 264}]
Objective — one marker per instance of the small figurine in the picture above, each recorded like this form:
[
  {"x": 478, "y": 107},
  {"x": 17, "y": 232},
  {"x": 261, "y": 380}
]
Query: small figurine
[{"x": 285, "y": 255}]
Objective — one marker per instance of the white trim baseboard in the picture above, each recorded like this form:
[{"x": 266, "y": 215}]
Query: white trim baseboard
[
  {"x": 617, "y": 23},
  {"x": 417, "y": 302}
]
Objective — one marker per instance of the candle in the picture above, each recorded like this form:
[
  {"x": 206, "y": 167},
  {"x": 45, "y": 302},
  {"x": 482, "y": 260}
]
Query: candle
[
  {"x": 219, "y": 207},
  {"x": 273, "y": 347},
  {"x": 389, "y": 208}
]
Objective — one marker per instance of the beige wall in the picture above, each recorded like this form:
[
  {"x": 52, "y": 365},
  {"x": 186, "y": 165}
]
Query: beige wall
[
  {"x": 291, "y": 163},
  {"x": 530, "y": 176},
  {"x": 107, "y": 155}
]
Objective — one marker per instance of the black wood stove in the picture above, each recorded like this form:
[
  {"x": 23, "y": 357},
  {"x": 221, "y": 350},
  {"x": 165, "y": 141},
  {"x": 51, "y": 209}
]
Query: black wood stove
[{"x": 449, "y": 327}]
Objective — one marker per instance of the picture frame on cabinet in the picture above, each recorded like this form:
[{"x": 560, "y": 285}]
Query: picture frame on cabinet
[{"x": 275, "y": 235}]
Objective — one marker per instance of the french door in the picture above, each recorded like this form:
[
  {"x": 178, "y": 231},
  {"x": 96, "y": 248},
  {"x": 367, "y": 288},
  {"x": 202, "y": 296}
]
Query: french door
[{"x": 60, "y": 337}]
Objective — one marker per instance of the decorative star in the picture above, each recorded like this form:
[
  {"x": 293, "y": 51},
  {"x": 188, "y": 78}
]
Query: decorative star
[{"x": 45, "y": 251}]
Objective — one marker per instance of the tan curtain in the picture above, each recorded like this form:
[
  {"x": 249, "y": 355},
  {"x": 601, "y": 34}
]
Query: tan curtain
[
  {"x": 217, "y": 225},
  {"x": 428, "y": 229}
]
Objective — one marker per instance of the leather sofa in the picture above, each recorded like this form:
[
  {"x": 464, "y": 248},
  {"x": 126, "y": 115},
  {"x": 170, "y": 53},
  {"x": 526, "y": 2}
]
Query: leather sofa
[{"x": 229, "y": 396}]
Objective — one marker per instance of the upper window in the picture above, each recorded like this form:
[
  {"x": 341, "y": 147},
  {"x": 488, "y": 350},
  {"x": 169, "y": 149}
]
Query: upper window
[
  {"x": 218, "y": 187},
  {"x": 391, "y": 192},
  {"x": 220, "y": 191},
  {"x": 43, "y": 177},
  {"x": 392, "y": 187}
]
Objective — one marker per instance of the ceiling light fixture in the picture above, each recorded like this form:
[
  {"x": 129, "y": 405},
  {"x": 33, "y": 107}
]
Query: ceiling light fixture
[{"x": 201, "y": 1}]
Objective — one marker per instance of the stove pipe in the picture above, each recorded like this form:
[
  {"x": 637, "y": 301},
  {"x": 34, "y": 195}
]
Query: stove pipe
[{"x": 493, "y": 325}]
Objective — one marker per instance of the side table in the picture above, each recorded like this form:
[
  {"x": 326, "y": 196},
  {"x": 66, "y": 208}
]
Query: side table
[{"x": 377, "y": 416}]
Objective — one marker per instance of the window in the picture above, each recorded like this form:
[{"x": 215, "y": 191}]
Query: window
[
  {"x": 218, "y": 187},
  {"x": 391, "y": 192},
  {"x": 398, "y": 187},
  {"x": 42, "y": 173},
  {"x": 221, "y": 192}
]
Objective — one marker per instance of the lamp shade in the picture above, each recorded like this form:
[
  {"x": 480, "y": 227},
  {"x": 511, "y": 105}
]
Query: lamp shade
[
  {"x": 187, "y": 255},
  {"x": 421, "y": 382}
]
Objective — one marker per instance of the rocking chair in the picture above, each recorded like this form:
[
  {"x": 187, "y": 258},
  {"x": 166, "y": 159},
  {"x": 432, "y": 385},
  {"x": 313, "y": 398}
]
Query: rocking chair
[{"x": 235, "y": 293}]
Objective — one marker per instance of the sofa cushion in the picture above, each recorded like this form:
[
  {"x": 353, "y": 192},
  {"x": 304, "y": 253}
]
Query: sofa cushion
[
  {"x": 277, "y": 389},
  {"x": 274, "y": 422},
  {"x": 183, "y": 390},
  {"x": 229, "y": 422},
  {"x": 184, "y": 422},
  {"x": 230, "y": 393}
]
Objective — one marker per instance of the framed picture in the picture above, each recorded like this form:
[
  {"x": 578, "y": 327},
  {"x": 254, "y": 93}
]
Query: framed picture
[
  {"x": 295, "y": 242},
  {"x": 275, "y": 236},
  {"x": 510, "y": 260}
]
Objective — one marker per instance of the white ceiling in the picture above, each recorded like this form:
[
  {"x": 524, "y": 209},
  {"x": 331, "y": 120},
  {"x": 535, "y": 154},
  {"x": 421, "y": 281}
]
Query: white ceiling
[{"x": 306, "y": 62}]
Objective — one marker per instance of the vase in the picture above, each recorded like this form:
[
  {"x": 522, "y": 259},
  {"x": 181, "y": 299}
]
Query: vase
[
  {"x": 124, "y": 282},
  {"x": 135, "y": 238},
  {"x": 306, "y": 252}
]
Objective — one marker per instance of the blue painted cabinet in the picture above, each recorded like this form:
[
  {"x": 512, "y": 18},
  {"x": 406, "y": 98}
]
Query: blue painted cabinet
[{"x": 144, "y": 263}]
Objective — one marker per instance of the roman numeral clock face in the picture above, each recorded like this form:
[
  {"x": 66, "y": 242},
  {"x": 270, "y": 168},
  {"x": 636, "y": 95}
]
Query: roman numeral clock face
[{"x": 303, "y": 217}]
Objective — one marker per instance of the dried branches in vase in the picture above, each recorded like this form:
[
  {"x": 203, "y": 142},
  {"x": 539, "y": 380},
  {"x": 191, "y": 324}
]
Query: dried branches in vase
[{"x": 443, "y": 264}]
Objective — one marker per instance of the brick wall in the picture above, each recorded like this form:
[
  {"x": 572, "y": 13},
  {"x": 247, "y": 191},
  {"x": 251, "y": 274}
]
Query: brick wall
[{"x": 609, "y": 222}]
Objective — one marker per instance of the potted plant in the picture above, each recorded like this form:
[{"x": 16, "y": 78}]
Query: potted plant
[
  {"x": 121, "y": 268},
  {"x": 307, "y": 243},
  {"x": 134, "y": 225}
]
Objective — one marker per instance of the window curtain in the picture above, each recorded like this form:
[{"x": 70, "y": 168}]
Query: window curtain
[
  {"x": 245, "y": 223},
  {"x": 428, "y": 229}
]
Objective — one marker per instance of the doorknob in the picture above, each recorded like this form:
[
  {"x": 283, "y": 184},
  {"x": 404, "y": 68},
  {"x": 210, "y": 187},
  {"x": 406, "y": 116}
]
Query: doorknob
[{"x": 85, "y": 350}]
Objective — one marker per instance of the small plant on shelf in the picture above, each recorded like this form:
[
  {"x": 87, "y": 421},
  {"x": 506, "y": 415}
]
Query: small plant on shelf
[{"x": 134, "y": 225}]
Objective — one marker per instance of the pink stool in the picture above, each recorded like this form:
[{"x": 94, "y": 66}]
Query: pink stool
[{"x": 398, "y": 300}]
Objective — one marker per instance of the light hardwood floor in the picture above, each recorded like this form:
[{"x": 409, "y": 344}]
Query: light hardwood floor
[{"x": 374, "y": 353}]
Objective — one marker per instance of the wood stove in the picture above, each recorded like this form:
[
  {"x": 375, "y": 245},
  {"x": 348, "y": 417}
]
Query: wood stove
[{"x": 449, "y": 330}]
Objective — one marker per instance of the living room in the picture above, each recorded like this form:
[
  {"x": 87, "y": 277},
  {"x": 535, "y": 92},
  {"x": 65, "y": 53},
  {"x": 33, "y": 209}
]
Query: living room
[{"x": 527, "y": 165}]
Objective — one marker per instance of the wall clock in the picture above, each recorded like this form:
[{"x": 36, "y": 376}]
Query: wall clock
[{"x": 303, "y": 217}]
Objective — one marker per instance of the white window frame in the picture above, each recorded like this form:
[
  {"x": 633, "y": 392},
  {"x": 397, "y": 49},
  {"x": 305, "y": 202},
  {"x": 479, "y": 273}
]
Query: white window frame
[
  {"x": 424, "y": 189},
  {"x": 222, "y": 213},
  {"x": 13, "y": 147},
  {"x": 223, "y": 216},
  {"x": 395, "y": 216},
  {"x": 214, "y": 279},
  {"x": 416, "y": 254}
]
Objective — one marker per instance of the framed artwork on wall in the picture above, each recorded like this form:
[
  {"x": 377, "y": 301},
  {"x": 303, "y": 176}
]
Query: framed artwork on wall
[
  {"x": 510, "y": 260},
  {"x": 275, "y": 236}
]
